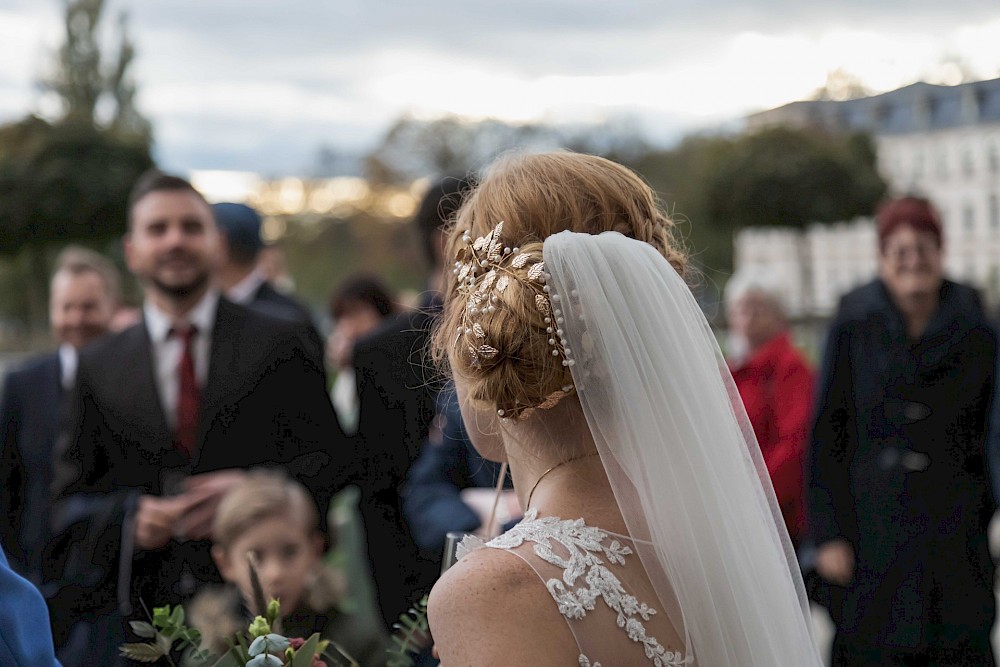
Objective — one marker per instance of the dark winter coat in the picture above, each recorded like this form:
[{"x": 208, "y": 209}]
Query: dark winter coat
[{"x": 897, "y": 466}]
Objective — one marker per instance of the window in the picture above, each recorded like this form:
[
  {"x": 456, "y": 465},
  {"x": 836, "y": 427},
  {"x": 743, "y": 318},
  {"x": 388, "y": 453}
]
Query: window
[
  {"x": 941, "y": 164},
  {"x": 993, "y": 158},
  {"x": 968, "y": 165},
  {"x": 968, "y": 217},
  {"x": 993, "y": 211},
  {"x": 918, "y": 166}
]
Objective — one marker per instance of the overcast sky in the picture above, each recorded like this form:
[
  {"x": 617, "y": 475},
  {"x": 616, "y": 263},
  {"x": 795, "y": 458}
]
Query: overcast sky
[{"x": 261, "y": 84}]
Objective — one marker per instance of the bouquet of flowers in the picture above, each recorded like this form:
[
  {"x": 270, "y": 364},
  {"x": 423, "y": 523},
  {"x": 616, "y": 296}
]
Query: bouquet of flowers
[{"x": 258, "y": 647}]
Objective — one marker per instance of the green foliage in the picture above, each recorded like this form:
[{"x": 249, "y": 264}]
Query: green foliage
[
  {"x": 64, "y": 182},
  {"x": 793, "y": 177},
  {"x": 412, "y": 636},
  {"x": 259, "y": 627},
  {"x": 322, "y": 253},
  {"x": 67, "y": 179},
  {"x": 83, "y": 78},
  {"x": 303, "y": 657},
  {"x": 143, "y": 652},
  {"x": 452, "y": 145},
  {"x": 679, "y": 177},
  {"x": 715, "y": 185},
  {"x": 167, "y": 632}
]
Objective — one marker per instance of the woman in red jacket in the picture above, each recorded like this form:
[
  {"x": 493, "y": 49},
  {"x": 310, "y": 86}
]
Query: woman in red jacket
[{"x": 776, "y": 384}]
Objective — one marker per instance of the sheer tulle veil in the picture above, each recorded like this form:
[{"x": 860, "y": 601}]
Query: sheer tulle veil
[{"x": 680, "y": 453}]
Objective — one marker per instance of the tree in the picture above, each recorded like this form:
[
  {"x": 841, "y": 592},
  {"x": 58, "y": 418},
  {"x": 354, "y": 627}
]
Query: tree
[
  {"x": 789, "y": 177},
  {"x": 67, "y": 180},
  {"x": 841, "y": 85},
  {"x": 414, "y": 148},
  {"x": 680, "y": 178},
  {"x": 64, "y": 181},
  {"x": 793, "y": 177}
]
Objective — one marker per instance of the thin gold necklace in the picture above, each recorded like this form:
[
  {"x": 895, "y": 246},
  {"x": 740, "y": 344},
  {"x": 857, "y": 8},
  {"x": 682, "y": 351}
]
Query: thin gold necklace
[{"x": 527, "y": 505}]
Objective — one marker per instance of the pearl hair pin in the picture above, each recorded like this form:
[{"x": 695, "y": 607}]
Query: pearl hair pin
[{"x": 484, "y": 269}]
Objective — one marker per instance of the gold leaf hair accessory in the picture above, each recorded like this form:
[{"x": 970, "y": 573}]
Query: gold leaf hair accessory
[{"x": 484, "y": 269}]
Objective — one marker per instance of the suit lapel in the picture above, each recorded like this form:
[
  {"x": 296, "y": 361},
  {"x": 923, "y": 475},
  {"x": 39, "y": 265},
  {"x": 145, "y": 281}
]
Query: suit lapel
[
  {"x": 50, "y": 388},
  {"x": 222, "y": 369},
  {"x": 139, "y": 384}
]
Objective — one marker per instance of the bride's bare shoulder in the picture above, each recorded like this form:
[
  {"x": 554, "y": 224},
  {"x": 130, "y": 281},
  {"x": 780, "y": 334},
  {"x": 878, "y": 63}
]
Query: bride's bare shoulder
[
  {"x": 489, "y": 573},
  {"x": 491, "y": 607}
]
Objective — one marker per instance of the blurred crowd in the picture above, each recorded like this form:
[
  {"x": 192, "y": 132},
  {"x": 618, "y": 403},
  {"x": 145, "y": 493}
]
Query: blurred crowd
[{"x": 160, "y": 453}]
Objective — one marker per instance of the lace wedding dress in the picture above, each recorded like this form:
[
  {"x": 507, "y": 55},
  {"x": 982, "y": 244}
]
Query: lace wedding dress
[
  {"x": 709, "y": 576},
  {"x": 599, "y": 586}
]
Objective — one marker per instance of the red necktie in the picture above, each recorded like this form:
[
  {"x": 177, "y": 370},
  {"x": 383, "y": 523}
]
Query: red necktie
[{"x": 188, "y": 395}]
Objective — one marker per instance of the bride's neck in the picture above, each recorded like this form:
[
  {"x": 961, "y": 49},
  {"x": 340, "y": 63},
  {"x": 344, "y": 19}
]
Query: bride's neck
[{"x": 558, "y": 467}]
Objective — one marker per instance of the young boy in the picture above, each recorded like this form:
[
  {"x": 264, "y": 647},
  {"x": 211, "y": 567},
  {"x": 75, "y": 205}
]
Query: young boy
[{"x": 273, "y": 518}]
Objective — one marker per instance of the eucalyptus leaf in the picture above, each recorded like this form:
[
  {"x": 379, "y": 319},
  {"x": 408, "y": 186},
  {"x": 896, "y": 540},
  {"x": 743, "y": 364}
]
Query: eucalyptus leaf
[
  {"x": 276, "y": 643},
  {"x": 142, "y": 652},
  {"x": 304, "y": 656},
  {"x": 258, "y": 646},
  {"x": 264, "y": 660},
  {"x": 143, "y": 629},
  {"x": 164, "y": 643}
]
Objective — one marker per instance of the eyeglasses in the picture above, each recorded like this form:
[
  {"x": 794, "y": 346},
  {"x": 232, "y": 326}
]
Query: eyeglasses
[{"x": 920, "y": 250}]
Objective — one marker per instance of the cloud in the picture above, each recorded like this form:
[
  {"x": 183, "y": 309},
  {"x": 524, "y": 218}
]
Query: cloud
[{"x": 231, "y": 82}]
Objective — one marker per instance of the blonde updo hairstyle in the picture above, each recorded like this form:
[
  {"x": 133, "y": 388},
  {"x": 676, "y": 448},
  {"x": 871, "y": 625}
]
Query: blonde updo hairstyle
[{"x": 536, "y": 196}]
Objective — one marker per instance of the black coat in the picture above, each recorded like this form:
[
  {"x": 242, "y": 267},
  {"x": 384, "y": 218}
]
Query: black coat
[
  {"x": 264, "y": 402},
  {"x": 30, "y": 414},
  {"x": 897, "y": 465},
  {"x": 269, "y": 301},
  {"x": 396, "y": 401}
]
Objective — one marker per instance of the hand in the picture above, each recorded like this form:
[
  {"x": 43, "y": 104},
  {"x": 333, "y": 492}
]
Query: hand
[
  {"x": 202, "y": 494},
  {"x": 155, "y": 519},
  {"x": 835, "y": 561}
]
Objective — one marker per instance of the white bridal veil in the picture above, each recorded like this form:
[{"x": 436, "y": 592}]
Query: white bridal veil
[{"x": 680, "y": 453}]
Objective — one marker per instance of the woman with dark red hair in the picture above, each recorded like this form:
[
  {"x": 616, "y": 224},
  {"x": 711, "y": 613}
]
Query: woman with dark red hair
[{"x": 898, "y": 494}]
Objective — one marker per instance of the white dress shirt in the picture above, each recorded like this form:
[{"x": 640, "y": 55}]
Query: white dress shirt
[
  {"x": 244, "y": 291},
  {"x": 69, "y": 358},
  {"x": 167, "y": 350}
]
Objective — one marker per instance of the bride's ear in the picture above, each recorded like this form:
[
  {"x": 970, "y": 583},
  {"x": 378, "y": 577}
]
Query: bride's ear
[{"x": 482, "y": 425}]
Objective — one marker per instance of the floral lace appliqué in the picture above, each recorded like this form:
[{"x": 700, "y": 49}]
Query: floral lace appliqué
[{"x": 586, "y": 578}]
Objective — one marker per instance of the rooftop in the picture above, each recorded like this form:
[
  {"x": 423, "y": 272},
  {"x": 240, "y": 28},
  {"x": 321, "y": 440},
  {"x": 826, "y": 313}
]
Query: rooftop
[{"x": 919, "y": 107}]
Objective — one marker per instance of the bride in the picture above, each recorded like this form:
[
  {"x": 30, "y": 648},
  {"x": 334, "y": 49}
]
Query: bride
[{"x": 651, "y": 534}]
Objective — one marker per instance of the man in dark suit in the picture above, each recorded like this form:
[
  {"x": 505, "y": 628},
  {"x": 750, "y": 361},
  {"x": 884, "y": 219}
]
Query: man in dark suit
[
  {"x": 169, "y": 414},
  {"x": 243, "y": 281},
  {"x": 396, "y": 404},
  {"x": 82, "y": 298},
  {"x": 84, "y": 292}
]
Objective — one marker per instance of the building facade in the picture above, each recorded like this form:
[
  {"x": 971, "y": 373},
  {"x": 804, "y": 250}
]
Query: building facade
[{"x": 940, "y": 142}]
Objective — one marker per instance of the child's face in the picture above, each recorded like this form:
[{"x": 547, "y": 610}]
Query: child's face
[{"x": 287, "y": 555}]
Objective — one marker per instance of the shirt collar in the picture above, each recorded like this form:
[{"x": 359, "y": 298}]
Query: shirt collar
[
  {"x": 202, "y": 316},
  {"x": 68, "y": 357},
  {"x": 244, "y": 291}
]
